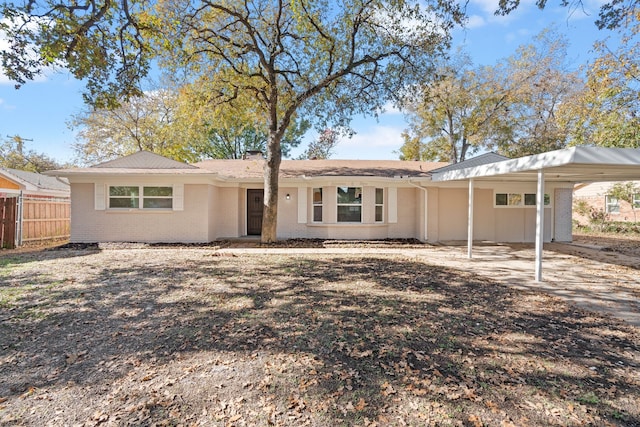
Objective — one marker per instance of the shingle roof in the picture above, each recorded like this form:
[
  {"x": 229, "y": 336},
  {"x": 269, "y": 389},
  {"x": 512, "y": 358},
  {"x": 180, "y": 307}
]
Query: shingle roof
[
  {"x": 483, "y": 159},
  {"x": 40, "y": 181},
  {"x": 321, "y": 168},
  {"x": 143, "y": 160}
]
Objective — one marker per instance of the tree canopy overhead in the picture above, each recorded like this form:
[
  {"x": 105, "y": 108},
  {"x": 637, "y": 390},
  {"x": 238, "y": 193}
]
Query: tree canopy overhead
[{"x": 319, "y": 60}]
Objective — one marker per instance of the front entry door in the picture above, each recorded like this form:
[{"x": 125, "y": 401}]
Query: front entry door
[{"x": 255, "y": 202}]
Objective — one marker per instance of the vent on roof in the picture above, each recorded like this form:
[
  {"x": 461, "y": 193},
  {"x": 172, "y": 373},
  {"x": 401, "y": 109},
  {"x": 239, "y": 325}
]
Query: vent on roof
[{"x": 253, "y": 155}]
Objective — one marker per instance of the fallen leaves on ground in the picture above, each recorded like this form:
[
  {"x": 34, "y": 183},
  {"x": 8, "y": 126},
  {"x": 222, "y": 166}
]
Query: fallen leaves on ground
[{"x": 180, "y": 337}]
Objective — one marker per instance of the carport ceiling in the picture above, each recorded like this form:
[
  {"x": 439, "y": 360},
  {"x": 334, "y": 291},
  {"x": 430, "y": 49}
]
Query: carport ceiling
[{"x": 576, "y": 164}]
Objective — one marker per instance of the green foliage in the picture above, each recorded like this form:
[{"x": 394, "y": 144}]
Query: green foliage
[
  {"x": 322, "y": 147},
  {"x": 598, "y": 218},
  {"x": 606, "y": 111},
  {"x": 172, "y": 123},
  {"x": 13, "y": 155},
  {"x": 316, "y": 60},
  {"x": 509, "y": 108},
  {"x": 447, "y": 116},
  {"x": 149, "y": 122},
  {"x": 102, "y": 42},
  {"x": 626, "y": 191}
]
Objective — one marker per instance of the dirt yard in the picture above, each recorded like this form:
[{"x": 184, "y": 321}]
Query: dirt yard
[{"x": 192, "y": 337}]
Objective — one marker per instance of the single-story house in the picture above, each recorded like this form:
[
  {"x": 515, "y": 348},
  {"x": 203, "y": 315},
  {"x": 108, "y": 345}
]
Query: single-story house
[
  {"x": 30, "y": 184},
  {"x": 597, "y": 196},
  {"x": 145, "y": 197}
]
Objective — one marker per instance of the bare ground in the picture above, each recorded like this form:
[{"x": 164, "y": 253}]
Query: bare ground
[{"x": 185, "y": 336}]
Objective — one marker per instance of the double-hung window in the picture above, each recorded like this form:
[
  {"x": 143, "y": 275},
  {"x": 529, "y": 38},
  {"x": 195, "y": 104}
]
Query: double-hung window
[
  {"x": 379, "y": 204},
  {"x": 349, "y": 204},
  {"x": 317, "y": 205},
  {"x": 124, "y": 197},
  {"x": 140, "y": 197},
  {"x": 611, "y": 204},
  {"x": 636, "y": 201},
  {"x": 157, "y": 198}
]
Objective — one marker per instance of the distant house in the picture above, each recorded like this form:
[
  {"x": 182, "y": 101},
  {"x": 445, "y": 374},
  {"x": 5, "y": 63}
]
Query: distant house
[
  {"x": 33, "y": 207},
  {"x": 597, "y": 196},
  {"x": 31, "y": 184}
]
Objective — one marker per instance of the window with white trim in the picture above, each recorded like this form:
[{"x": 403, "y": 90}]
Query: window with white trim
[
  {"x": 349, "y": 204},
  {"x": 140, "y": 197},
  {"x": 517, "y": 200},
  {"x": 317, "y": 205},
  {"x": 636, "y": 201},
  {"x": 611, "y": 204},
  {"x": 379, "y": 204}
]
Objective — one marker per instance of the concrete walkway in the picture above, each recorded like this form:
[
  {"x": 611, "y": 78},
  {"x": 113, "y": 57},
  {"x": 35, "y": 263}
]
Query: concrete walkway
[{"x": 587, "y": 277}]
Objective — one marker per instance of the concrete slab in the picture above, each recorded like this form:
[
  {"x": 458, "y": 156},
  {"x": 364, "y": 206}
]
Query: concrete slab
[{"x": 590, "y": 278}]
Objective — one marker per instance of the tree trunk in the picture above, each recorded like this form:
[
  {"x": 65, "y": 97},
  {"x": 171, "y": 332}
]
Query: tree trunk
[{"x": 271, "y": 172}]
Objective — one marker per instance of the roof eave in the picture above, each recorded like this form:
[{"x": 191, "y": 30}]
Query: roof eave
[{"x": 575, "y": 156}]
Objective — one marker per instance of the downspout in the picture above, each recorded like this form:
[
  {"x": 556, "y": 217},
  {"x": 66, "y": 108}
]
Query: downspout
[{"x": 425, "y": 207}]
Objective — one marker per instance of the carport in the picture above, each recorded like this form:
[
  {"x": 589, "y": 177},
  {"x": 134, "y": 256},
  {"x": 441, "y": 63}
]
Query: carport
[{"x": 571, "y": 165}]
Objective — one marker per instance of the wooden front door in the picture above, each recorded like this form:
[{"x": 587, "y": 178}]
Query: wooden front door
[{"x": 255, "y": 202}]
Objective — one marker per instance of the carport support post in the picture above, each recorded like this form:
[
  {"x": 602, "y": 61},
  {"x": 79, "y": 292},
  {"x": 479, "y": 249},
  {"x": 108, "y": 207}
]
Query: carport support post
[
  {"x": 539, "y": 224},
  {"x": 470, "y": 223}
]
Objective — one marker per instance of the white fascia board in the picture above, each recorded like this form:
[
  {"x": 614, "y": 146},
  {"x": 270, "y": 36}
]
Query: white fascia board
[{"x": 574, "y": 155}]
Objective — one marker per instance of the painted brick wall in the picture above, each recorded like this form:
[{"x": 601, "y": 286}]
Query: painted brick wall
[{"x": 90, "y": 225}]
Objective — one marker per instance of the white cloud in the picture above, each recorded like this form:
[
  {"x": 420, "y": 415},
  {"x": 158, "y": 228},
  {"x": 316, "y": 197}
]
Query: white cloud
[
  {"x": 374, "y": 143},
  {"x": 390, "y": 109},
  {"x": 6, "y": 107},
  {"x": 4, "y": 45},
  {"x": 475, "y": 21},
  {"x": 482, "y": 13}
]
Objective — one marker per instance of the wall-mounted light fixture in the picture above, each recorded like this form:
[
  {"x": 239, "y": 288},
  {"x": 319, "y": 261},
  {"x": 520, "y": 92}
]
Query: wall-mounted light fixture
[{"x": 288, "y": 196}]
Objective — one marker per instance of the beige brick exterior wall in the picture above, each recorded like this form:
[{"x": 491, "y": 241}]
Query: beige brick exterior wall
[
  {"x": 216, "y": 212},
  {"x": 187, "y": 226},
  {"x": 595, "y": 195},
  {"x": 448, "y": 212}
]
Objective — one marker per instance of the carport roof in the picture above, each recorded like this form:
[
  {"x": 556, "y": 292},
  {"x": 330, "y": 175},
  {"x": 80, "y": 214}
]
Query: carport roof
[{"x": 575, "y": 164}]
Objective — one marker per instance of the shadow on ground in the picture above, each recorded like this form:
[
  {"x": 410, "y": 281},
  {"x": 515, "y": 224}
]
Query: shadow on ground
[{"x": 152, "y": 336}]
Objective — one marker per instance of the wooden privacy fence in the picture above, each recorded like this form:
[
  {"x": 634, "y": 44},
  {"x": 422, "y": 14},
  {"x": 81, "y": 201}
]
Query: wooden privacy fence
[
  {"x": 31, "y": 219},
  {"x": 44, "y": 219},
  {"x": 8, "y": 209}
]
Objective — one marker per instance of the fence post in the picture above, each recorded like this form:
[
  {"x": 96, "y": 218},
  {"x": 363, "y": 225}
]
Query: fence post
[{"x": 19, "y": 220}]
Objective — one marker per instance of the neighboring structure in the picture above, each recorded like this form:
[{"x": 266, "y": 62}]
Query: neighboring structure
[
  {"x": 148, "y": 198},
  {"x": 31, "y": 184},
  {"x": 33, "y": 207},
  {"x": 597, "y": 196}
]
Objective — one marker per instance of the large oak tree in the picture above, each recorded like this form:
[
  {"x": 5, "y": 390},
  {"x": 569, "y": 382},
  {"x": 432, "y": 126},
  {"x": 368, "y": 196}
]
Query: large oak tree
[{"x": 321, "y": 60}]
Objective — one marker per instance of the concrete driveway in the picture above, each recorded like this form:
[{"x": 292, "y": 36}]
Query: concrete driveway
[{"x": 588, "y": 277}]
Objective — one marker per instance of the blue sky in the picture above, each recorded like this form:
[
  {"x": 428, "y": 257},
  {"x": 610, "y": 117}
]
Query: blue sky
[{"x": 40, "y": 110}]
